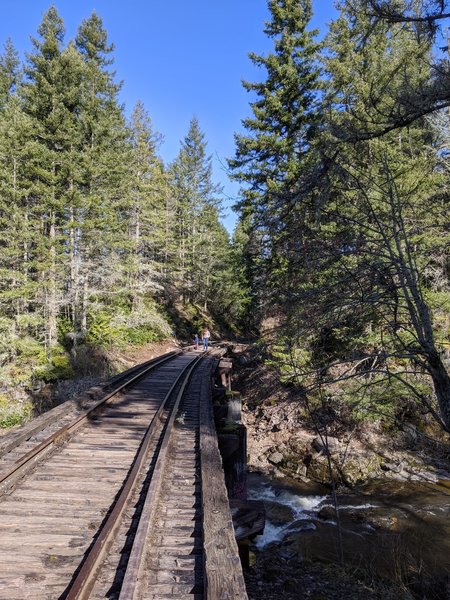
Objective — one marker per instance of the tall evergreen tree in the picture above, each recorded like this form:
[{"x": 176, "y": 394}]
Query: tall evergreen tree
[
  {"x": 197, "y": 202},
  {"x": 18, "y": 293},
  {"x": 363, "y": 300},
  {"x": 51, "y": 96},
  {"x": 146, "y": 207},
  {"x": 99, "y": 227},
  {"x": 9, "y": 72},
  {"x": 272, "y": 159}
]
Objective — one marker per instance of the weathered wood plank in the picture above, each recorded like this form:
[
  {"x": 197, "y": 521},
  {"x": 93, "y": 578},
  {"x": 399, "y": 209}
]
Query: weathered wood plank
[{"x": 222, "y": 567}]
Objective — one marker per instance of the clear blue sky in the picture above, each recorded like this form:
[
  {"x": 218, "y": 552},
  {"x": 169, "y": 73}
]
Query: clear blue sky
[{"x": 180, "y": 57}]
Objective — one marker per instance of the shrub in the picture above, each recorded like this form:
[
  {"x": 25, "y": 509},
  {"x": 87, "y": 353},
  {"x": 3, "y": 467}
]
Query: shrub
[
  {"x": 58, "y": 367},
  {"x": 13, "y": 413},
  {"x": 103, "y": 332}
]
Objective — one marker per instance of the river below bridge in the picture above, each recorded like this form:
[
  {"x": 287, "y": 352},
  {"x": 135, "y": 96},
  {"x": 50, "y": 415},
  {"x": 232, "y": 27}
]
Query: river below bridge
[{"x": 396, "y": 531}]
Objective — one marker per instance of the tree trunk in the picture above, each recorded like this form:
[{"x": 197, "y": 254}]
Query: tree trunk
[
  {"x": 83, "y": 317},
  {"x": 52, "y": 307},
  {"x": 441, "y": 383},
  {"x": 73, "y": 269},
  {"x": 137, "y": 257}
]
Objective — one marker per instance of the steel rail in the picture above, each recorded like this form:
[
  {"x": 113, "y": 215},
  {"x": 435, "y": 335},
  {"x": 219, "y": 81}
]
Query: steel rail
[
  {"x": 62, "y": 433},
  {"x": 129, "y": 587},
  {"x": 44, "y": 420},
  {"x": 40, "y": 423},
  {"x": 82, "y": 585},
  {"x": 120, "y": 376}
]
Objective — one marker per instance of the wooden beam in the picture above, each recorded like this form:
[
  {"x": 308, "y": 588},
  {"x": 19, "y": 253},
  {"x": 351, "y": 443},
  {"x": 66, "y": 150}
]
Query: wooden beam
[
  {"x": 233, "y": 448},
  {"x": 223, "y": 577}
]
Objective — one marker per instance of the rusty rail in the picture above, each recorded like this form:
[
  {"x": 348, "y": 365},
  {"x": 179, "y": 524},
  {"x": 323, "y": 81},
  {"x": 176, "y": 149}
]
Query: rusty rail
[
  {"x": 135, "y": 563},
  {"x": 31, "y": 456},
  {"x": 82, "y": 585}
]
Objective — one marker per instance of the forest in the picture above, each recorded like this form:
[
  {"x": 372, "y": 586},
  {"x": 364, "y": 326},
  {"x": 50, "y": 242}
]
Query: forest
[
  {"x": 100, "y": 241},
  {"x": 336, "y": 280},
  {"x": 339, "y": 264},
  {"x": 345, "y": 206}
]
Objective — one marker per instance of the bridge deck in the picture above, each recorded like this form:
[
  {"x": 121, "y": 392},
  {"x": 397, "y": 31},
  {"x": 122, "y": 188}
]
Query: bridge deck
[{"x": 74, "y": 525}]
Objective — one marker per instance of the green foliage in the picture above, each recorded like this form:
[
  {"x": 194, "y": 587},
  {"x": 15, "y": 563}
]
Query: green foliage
[
  {"x": 292, "y": 363},
  {"x": 102, "y": 332},
  {"x": 273, "y": 157},
  {"x": 91, "y": 221},
  {"x": 375, "y": 403},
  {"x": 151, "y": 328},
  {"x": 65, "y": 326},
  {"x": 344, "y": 210},
  {"x": 202, "y": 244},
  {"x": 28, "y": 348},
  {"x": 196, "y": 317},
  {"x": 381, "y": 399},
  {"x": 13, "y": 413},
  {"x": 118, "y": 326},
  {"x": 142, "y": 335},
  {"x": 12, "y": 419},
  {"x": 56, "y": 368}
]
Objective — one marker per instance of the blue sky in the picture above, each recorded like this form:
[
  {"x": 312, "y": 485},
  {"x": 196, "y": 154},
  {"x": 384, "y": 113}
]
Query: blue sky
[{"x": 180, "y": 57}]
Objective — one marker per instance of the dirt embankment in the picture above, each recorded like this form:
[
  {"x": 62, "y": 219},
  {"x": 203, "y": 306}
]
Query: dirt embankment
[
  {"x": 284, "y": 441},
  {"x": 109, "y": 365}
]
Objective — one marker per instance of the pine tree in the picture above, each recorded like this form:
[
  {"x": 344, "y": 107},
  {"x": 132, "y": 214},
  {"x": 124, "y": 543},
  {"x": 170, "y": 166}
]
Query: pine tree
[
  {"x": 9, "y": 73},
  {"x": 251, "y": 276},
  {"x": 146, "y": 207},
  {"x": 18, "y": 293},
  {"x": 99, "y": 229},
  {"x": 365, "y": 298},
  {"x": 51, "y": 100},
  {"x": 273, "y": 158},
  {"x": 197, "y": 202}
]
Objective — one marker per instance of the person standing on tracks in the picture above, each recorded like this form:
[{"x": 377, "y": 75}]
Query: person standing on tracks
[
  {"x": 206, "y": 335},
  {"x": 196, "y": 341}
]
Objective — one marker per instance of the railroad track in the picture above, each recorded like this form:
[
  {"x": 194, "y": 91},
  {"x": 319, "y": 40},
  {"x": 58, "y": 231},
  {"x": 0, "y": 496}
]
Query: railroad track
[{"x": 116, "y": 501}]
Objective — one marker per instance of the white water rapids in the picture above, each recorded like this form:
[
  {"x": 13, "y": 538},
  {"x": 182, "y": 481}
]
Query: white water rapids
[{"x": 303, "y": 507}]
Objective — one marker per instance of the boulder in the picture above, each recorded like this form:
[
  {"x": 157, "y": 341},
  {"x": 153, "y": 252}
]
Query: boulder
[
  {"x": 391, "y": 466},
  {"x": 301, "y": 470},
  {"x": 327, "y": 513},
  {"x": 318, "y": 470},
  {"x": 359, "y": 469},
  {"x": 275, "y": 458},
  {"x": 332, "y": 443},
  {"x": 278, "y": 514},
  {"x": 428, "y": 476}
]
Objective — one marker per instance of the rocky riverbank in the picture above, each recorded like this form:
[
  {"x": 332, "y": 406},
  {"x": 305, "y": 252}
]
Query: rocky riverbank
[
  {"x": 392, "y": 541},
  {"x": 390, "y": 536},
  {"x": 282, "y": 442}
]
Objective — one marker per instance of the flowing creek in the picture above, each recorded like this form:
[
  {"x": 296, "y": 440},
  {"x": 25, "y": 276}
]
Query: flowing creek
[{"x": 396, "y": 530}]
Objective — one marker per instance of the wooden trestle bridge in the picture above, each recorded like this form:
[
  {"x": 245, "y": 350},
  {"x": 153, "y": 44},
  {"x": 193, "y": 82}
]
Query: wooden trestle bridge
[{"x": 122, "y": 494}]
